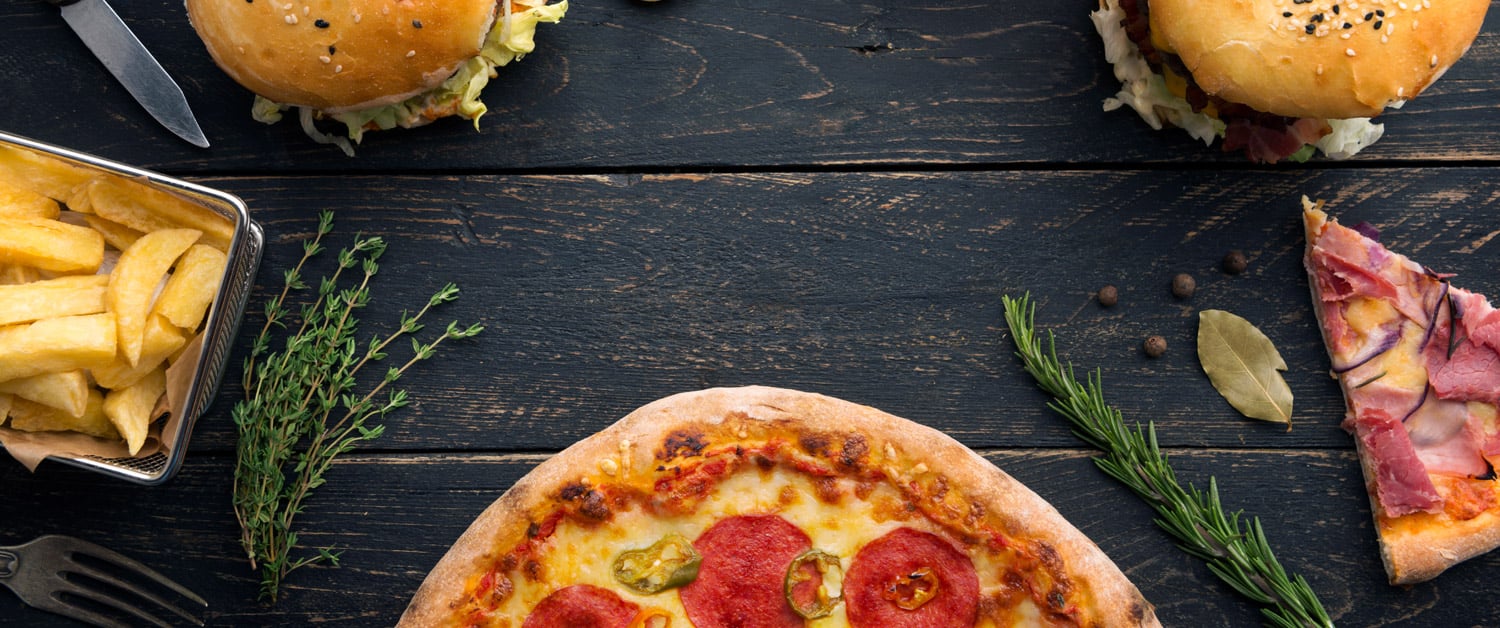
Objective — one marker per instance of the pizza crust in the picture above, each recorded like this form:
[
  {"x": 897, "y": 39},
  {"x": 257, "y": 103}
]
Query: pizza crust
[{"x": 632, "y": 444}]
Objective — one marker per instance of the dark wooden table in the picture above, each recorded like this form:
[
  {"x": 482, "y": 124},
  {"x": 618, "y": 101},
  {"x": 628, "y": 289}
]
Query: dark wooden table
[{"x": 824, "y": 195}]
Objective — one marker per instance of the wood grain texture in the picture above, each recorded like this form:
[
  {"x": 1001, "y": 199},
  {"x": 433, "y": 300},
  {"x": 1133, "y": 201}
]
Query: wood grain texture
[
  {"x": 601, "y": 293},
  {"x": 394, "y": 515},
  {"x": 681, "y": 84}
]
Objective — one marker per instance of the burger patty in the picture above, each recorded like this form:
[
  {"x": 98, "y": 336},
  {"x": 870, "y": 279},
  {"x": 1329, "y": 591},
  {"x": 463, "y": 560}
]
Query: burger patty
[{"x": 1265, "y": 137}]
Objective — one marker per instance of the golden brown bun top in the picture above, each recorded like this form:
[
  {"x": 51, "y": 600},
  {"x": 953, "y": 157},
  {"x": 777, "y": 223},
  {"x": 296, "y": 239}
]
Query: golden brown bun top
[
  {"x": 341, "y": 54},
  {"x": 1251, "y": 52}
]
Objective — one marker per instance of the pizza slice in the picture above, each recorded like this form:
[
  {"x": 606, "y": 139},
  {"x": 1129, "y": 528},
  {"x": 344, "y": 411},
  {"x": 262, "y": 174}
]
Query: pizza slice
[
  {"x": 764, "y": 507},
  {"x": 1418, "y": 360}
]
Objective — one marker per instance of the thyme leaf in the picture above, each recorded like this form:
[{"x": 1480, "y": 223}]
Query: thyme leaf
[
  {"x": 302, "y": 409},
  {"x": 1236, "y": 551}
]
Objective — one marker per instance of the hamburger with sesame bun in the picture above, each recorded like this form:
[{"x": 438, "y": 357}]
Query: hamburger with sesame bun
[
  {"x": 368, "y": 64},
  {"x": 1280, "y": 79}
]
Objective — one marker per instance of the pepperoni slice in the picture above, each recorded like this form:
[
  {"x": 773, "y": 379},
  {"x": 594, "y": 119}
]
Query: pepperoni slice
[
  {"x": 581, "y": 605},
  {"x": 911, "y": 579},
  {"x": 740, "y": 581}
]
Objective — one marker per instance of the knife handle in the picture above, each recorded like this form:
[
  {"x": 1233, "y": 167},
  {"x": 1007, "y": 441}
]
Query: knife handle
[{"x": 61, "y": 3}]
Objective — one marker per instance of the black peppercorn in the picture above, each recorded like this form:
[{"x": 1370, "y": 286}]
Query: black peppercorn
[
  {"x": 1154, "y": 346},
  {"x": 1235, "y": 263},
  {"x": 1109, "y": 296},
  {"x": 1183, "y": 286}
]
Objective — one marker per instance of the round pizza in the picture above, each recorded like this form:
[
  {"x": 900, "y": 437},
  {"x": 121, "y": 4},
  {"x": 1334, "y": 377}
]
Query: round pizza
[{"x": 765, "y": 507}]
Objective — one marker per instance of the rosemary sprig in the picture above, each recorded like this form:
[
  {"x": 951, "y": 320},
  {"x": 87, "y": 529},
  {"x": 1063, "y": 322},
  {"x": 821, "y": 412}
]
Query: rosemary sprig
[
  {"x": 301, "y": 409},
  {"x": 1235, "y": 550}
]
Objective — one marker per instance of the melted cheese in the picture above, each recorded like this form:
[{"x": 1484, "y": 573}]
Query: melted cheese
[
  {"x": 584, "y": 554},
  {"x": 1403, "y": 365},
  {"x": 1365, "y": 315}
]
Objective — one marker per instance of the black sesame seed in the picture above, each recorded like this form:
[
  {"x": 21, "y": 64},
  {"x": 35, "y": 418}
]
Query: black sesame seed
[
  {"x": 416, "y": 23},
  {"x": 1335, "y": 9},
  {"x": 1286, "y": 14},
  {"x": 1310, "y": 29},
  {"x": 1368, "y": 16},
  {"x": 321, "y": 23},
  {"x": 1377, "y": 24},
  {"x": 1317, "y": 18},
  {"x": 332, "y": 50},
  {"x": 1380, "y": 12}
]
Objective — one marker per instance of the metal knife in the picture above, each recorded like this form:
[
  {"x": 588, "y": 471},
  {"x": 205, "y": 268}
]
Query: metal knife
[{"x": 126, "y": 58}]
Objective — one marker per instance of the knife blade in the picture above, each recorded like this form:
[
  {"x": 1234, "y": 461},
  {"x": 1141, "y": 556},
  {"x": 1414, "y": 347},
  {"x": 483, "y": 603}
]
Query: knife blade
[{"x": 126, "y": 58}]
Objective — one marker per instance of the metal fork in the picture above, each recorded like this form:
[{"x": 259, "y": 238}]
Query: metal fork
[{"x": 47, "y": 574}]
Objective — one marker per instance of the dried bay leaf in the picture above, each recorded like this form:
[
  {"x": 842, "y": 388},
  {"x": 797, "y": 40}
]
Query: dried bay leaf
[{"x": 1243, "y": 366}]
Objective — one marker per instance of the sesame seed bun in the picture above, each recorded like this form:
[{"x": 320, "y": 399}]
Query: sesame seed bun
[
  {"x": 1254, "y": 53},
  {"x": 340, "y": 55}
]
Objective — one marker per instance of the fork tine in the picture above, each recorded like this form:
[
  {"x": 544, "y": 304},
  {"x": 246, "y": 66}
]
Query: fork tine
[
  {"x": 110, "y": 579},
  {"x": 109, "y": 556},
  {"x": 115, "y": 603}
]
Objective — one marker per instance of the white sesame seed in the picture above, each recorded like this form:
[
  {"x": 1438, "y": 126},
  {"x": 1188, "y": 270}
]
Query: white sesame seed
[
  {"x": 411, "y": 53},
  {"x": 286, "y": 7},
  {"x": 357, "y": 16},
  {"x": 1384, "y": 39},
  {"x": 385, "y": 10},
  {"x": 306, "y": 10},
  {"x": 1402, "y": 5},
  {"x": 325, "y": 59},
  {"x": 1320, "y": 69},
  {"x": 1349, "y": 51},
  {"x": 1390, "y": 28},
  {"x": 1434, "y": 61},
  {"x": 337, "y": 69},
  {"x": 291, "y": 19},
  {"x": 1344, "y": 36},
  {"x": 1414, "y": 24},
  {"x": 1400, "y": 92}
]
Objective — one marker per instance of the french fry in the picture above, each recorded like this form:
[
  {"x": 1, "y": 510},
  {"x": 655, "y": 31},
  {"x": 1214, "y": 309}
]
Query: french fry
[
  {"x": 56, "y": 344},
  {"x": 70, "y": 295},
  {"x": 78, "y": 199},
  {"x": 67, "y": 391},
  {"x": 192, "y": 287},
  {"x": 44, "y": 175},
  {"x": 148, "y": 209},
  {"x": 50, "y": 245},
  {"x": 133, "y": 283},
  {"x": 30, "y": 416},
  {"x": 13, "y": 274},
  {"x": 161, "y": 340},
  {"x": 115, "y": 234},
  {"x": 19, "y": 202},
  {"x": 129, "y": 408}
]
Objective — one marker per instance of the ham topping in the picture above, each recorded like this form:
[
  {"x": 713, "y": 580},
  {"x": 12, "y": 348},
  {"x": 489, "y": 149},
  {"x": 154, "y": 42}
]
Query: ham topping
[{"x": 1401, "y": 483}]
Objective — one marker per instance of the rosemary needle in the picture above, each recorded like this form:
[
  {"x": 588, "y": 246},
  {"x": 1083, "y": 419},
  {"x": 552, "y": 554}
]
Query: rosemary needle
[
  {"x": 301, "y": 408},
  {"x": 1235, "y": 550}
]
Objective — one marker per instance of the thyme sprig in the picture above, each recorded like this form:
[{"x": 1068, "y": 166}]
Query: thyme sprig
[
  {"x": 301, "y": 409},
  {"x": 1235, "y": 550}
]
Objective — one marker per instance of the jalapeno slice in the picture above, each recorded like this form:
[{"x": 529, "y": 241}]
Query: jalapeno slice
[
  {"x": 830, "y": 592},
  {"x": 667, "y": 564},
  {"x": 911, "y": 591}
]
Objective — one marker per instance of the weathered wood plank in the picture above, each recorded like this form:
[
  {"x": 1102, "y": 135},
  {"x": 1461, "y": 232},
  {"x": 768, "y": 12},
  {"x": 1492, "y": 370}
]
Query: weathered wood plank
[
  {"x": 710, "y": 85},
  {"x": 393, "y": 516},
  {"x": 603, "y": 293}
]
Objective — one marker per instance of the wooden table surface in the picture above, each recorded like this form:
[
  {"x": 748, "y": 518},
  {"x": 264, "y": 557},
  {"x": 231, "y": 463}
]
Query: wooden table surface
[{"x": 825, "y": 195}]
